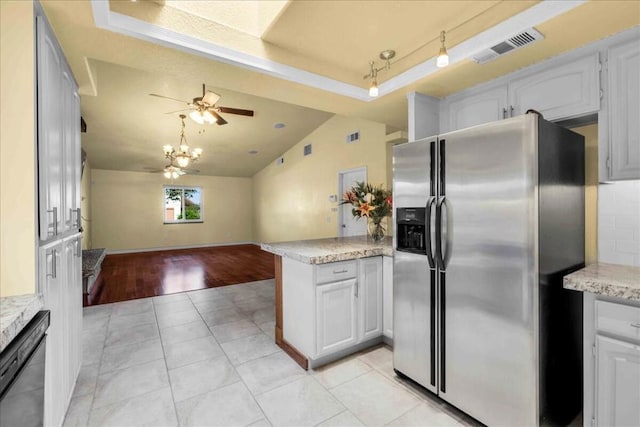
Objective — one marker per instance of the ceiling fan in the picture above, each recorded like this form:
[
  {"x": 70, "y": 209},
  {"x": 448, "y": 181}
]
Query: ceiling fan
[
  {"x": 173, "y": 171},
  {"x": 204, "y": 110}
]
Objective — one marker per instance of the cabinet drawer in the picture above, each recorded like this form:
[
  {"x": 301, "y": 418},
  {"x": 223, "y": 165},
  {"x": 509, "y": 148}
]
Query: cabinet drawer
[
  {"x": 336, "y": 271},
  {"x": 619, "y": 319}
]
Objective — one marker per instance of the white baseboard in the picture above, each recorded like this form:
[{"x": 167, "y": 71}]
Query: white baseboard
[{"x": 170, "y": 248}]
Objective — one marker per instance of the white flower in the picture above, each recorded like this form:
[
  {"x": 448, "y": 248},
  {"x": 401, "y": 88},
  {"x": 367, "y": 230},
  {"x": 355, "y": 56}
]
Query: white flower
[{"x": 369, "y": 198}]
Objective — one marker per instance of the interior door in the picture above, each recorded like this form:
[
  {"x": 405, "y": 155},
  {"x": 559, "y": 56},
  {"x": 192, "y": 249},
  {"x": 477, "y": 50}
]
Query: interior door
[
  {"x": 351, "y": 226},
  {"x": 488, "y": 334}
]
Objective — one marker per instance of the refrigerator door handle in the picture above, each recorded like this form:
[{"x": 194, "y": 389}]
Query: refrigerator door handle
[
  {"x": 427, "y": 234},
  {"x": 443, "y": 254},
  {"x": 439, "y": 256}
]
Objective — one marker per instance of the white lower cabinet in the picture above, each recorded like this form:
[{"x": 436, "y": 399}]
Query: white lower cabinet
[
  {"x": 617, "y": 382},
  {"x": 60, "y": 281},
  {"x": 332, "y": 307},
  {"x": 387, "y": 296},
  {"x": 336, "y": 314},
  {"x": 611, "y": 362},
  {"x": 369, "y": 294}
]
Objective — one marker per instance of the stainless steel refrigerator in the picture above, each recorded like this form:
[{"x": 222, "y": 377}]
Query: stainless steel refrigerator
[{"x": 487, "y": 221}]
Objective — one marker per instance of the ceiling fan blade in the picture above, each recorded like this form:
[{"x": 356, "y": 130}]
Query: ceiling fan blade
[
  {"x": 219, "y": 120},
  {"x": 210, "y": 98},
  {"x": 190, "y": 171},
  {"x": 237, "y": 111},
  {"x": 177, "y": 111},
  {"x": 167, "y": 97}
]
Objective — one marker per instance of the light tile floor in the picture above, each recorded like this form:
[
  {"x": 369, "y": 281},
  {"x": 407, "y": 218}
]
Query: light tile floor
[{"x": 208, "y": 358}]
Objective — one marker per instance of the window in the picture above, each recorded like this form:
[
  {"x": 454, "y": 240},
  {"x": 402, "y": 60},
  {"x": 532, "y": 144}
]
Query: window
[{"x": 182, "y": 204}]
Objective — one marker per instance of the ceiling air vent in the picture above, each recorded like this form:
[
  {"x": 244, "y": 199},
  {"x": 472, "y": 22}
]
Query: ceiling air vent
[
  {"x": 517, "y": 41},
  {"x": 307, "y": 150}
]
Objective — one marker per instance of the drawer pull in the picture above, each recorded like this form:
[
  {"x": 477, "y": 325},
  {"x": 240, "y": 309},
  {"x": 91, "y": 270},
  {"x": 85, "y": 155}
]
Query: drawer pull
[
  {"x": 340, "y": 271},
  {"x": 635, "y": 325}
]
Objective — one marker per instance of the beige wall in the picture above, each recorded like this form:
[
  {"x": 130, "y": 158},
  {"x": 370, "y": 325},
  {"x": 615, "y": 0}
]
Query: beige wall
[
  {"x": 85, "y": 205},
  {"x": 590, "y": 134},
  {"x": 17, "y": 141},
  {"x": 291, "y": 201},
  {"x": 127, "y": 211}
]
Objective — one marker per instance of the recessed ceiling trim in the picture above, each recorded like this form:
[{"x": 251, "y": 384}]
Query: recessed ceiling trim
[{"x": 127, "y": 25}]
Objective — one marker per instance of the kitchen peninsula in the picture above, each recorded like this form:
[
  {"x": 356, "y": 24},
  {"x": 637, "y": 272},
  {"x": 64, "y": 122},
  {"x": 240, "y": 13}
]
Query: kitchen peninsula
[{"x": 333, "y": 296}]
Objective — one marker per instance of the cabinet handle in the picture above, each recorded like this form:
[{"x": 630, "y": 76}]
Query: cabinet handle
[
  {"x": 79, "y": 221},
  {"x": 355, "y": 289},
  {"x": 339, "y": 271},
  {"x": 53, "y": 273},
  {"x": 504, "y": 113},
  {"x": 54, "y": 212},
  {"x": 511, "y": 109},
  {"x": 635, "y": 325},
  {"x": 78, "y": 247},
  {"x": 78, "y": 216}
]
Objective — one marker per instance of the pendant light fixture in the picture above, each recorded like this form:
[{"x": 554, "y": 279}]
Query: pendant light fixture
[
  {"x": 385, "y": 55},
  {"x": 184, "y": 154},
  {"x": 443, "y": 56}
]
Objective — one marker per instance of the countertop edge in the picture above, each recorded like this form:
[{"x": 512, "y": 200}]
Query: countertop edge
[
  {"x": 335, "y": 256},
  {"x": 17, "y": 312},
  {"x": 611, "y": 280}
]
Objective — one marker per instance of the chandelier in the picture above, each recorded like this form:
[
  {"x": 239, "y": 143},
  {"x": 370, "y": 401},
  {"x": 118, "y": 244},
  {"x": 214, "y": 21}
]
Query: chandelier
[{"x": 182, "y": 156}]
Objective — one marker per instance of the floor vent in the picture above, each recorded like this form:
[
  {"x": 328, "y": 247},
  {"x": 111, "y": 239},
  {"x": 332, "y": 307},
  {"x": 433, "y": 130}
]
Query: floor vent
[{"x": 515, "y": 42}]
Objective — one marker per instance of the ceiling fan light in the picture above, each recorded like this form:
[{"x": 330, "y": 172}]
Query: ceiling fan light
[
  {"x": 208, "y": 117},
  {"x": 197, "y": 117},
  {"x": 167, "y": 174},
  {"x": 168, "y": 149},
  {"x": 175, "y": 175}
]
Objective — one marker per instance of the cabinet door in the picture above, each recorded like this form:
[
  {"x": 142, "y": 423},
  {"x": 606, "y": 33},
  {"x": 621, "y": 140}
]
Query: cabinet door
[
  {"x": 571, "y": 90},
  {"x": 71, "y": 149},
  {"x": 50, "y": 132},
  {"x": 52, "y": 288},
  {"x": 624, "y": 110},
  {"x": 370, "y": 297},
  {"x": 336, "y": 314},
  {"x": 484, "y": 107},
  {"x": 617, "y": 383},
  {"x": 387, "y": 296},
  {"x": 72, "y": 258}
]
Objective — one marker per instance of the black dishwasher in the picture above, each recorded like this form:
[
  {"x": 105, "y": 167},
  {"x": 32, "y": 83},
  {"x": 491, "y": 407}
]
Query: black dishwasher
[{"x": 22, "y": 375}]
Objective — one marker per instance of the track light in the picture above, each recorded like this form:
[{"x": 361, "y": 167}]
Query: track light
[
  {"x": 443, "y": 56},
  {"x": 386, "y": 56}
]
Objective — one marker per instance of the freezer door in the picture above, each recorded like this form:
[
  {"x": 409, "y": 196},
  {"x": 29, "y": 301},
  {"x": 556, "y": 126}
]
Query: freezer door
[
  {"x": 489, "y": 290},
  {"x": 414, "y": 287}
]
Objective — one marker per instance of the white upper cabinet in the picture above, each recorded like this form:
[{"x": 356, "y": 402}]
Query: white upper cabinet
[
  {"x": 562, "y": 92},
  {"x": 471, "y": 110},
  {"x": 624, "y": 111},
  {"x": 50, "y": 133},
  {"x": 59, "y": 164},
  {"x": 571, "y": 90}
]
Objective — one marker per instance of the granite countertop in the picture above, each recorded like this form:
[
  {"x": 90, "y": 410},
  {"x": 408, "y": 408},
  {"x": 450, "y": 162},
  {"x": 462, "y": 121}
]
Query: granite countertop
[
  {"x": 91, "y": 259},
  {"x": 612, "y": 280},
  {"x": 322, "y": 251},
  {"x": 15, "y": 313}
]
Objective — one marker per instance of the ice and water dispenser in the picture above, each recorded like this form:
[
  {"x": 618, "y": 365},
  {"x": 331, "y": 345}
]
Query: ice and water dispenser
[{"x": 411, "y": 230}]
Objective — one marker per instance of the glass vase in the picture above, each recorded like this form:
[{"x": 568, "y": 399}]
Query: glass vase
[{"x": 376, "y": 229}]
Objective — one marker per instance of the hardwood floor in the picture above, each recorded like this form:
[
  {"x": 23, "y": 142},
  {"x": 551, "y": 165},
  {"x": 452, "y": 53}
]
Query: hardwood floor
[{"x": 145, "y": 274}]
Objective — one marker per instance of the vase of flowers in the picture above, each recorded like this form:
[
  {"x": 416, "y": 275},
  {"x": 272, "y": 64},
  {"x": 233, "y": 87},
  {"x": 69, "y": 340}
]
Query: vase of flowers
[{"x": 372, "y": 203}]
